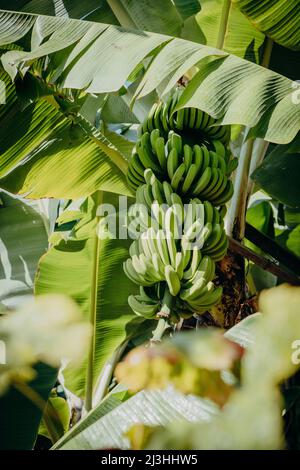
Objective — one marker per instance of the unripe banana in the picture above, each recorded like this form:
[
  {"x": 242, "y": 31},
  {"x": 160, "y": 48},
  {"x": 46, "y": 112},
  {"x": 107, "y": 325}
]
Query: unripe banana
[
  {"x": 147, "y": 309},
  {"x": 172, "y": 162},
  {"x": 173, "y": 280}
]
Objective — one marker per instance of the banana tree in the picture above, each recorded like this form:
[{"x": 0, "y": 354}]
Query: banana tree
[{"x": 72, "y": 83}]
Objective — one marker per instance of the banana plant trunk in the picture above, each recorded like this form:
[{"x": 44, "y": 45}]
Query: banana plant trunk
[{"x": 231, "y": 276}]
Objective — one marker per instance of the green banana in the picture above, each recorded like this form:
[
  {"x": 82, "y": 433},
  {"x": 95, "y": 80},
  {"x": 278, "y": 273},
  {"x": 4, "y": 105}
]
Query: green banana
[
  {"x": 178, "y": 209},
  {"x": 172, "y": 163},
  {"x": 160, "y": 152},
  {"x": 147, "y": 309},
  {"x": 157, "y": 191},
  {"x": 218, "y": 184},
  {"x": 212, "y": 297},
  {"x": 154, "y": 135},
  {"x": 209, "y": 212},
  {"x": 219, "y": 148},
  {"x": 157, "y": 116},
  {"x": 165, "y": 114},
  {"x": 214, "y": 239},
  {"x": 198, "y": 158},
  {"x": 162, "y": 247},
  {"x": 175, "y": 142},
  {"x": 180, "y": 119},
  {"x": 146, "y": 159},
  {"x": 137, "y": 165},
  {"x": 186, "y": 119},
  {"x": 187, "y": 155},
  {"x": 205, "y": 193},
  {"x": 225, "y": 195},
  {"x": 203, "y": 182},
  {"x": 167, "y": 192},
  {"x": 199, "y": 119},
  {"x": 146, "y": 126},
  {"x": 195, "y": 259},
  {"x": 189, "y": 178},
  {"x": 132, "y": 181},
  {"x": 219, "y": 190},
  {"x": 190, "y": 293},
  {"x": 214, "y": 161},
  {"x": 192, "y": 118},
  {"x": 231, "y": 166},
  {"x": 177, "y": 177},
  {"x": 173, "y": 280}
]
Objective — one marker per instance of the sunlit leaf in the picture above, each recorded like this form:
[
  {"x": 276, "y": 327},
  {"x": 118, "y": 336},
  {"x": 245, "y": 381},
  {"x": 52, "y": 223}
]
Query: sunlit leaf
[
  {"x": 89, "y": 269},
  {"x": 278, "y": 19}
]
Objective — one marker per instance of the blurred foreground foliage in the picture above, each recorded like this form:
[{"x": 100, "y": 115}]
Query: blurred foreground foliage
[
  {"x": 245, "y": 386},
  {"x": 34, "y": 341}
]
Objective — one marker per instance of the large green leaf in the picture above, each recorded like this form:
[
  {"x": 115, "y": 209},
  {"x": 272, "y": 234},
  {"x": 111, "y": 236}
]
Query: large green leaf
[
  {"x": 290, "y": 239},
  {"x": 187, "y": 8},
  {"x": 93, "y": 10},
  {"x": 89, "y": 269},
  {"x": 153, "y": 15},
  {"x": 260, "y": 216},
  {"x": 174, "y": 59},
  {"x": 15, "y": 27},
  {"x": 151, "y": 407},
  {"x": 278, "y": 175},
  {"x": 87, "y": 70},
  {"x": 88, "y": 159},
  {"x": 23, "y": 239},
  {"x": 58, "y": 411},
  {"x": 237, "y": 91},
  {"x": 243, "y": 333},
  {"x": 279, "y": 19},
  {"x": 118, "y": 395},
  {"x": 229, "y": 88},
  {"x": 148, "y": 15},
  {"x": 242, "y": 38},
  {"x": 40, "y": 145}
]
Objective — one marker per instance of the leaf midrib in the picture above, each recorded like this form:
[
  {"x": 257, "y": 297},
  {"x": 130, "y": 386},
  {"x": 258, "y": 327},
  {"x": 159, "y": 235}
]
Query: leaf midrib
[{"x": 93, "y": 310}]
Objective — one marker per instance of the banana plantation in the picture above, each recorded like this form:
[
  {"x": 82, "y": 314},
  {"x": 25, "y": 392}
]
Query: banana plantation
[{"x": 149, "y": 225}]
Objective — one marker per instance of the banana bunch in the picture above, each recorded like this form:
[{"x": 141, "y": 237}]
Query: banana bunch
[
  {"x": 201, "y": 171},
  {"x": 150, "y": 302},
  {"x": 197, "y": 288},
  {"x": 147, "y": 303},
  {"x": 180, "y": 170},
  {"x": 163, "y": 118},
  {"x": 188, "y": 273},
  {"x": 194, "y": 219}
]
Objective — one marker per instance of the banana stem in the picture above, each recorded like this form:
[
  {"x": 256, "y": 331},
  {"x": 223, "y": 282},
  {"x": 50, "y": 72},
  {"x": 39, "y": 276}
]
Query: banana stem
[
  {"x": 106, "y": 374},
  {"x": 164, "y": 314},
  {"x": 158, "y": 333},
  {"x": 260, "y": 148},
  {"x": 252, "y": 154},
  {"x": 223, "y": 24},
  {"x": 236, "y": 217},
  {"x": 121, "y": 14},
  {"x": 267, "y": 53},
  {"x": 167, "y": 304}
]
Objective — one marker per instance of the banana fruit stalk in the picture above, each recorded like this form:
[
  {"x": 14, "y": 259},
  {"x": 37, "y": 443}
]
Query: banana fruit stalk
[{"x": 180, "y": 170}]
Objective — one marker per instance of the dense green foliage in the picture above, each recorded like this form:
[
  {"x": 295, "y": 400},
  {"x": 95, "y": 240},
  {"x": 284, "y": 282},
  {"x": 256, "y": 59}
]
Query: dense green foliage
[{"x": 110, "y": 104}]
